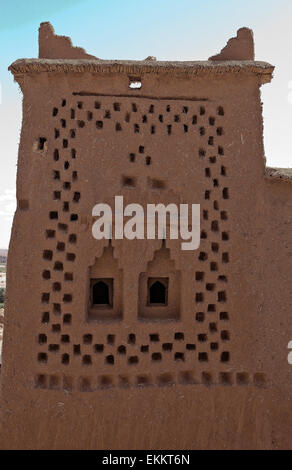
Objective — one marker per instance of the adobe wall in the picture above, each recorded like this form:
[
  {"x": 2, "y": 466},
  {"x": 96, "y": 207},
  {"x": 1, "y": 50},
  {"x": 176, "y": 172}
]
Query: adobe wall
[{"x": 212, "y": 370}]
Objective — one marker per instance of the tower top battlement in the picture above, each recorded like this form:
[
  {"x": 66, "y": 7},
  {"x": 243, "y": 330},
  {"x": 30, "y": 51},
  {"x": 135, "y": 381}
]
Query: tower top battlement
[{"x": 57, "y": 54}]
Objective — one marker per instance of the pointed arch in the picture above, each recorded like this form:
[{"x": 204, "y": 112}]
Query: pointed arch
[
  {"x": 159, "y": 288},
  {"x": 105, "y": 293}
]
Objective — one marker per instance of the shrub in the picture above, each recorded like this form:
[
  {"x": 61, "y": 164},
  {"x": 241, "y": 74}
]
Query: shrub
[{"x": 2, "y": 295}]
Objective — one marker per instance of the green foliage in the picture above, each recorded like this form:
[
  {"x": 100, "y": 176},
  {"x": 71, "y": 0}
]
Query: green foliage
[{"x": 2, "y": 295}]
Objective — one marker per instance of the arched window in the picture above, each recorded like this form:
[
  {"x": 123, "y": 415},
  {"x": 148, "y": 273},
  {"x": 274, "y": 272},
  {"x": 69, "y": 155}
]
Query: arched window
[
  {"x": 157, "y": 291},
  {"x": 101, "y": 293}
]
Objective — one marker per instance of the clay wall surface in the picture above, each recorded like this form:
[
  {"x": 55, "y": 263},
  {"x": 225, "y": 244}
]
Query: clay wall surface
[{"x": 210, "y": 369}]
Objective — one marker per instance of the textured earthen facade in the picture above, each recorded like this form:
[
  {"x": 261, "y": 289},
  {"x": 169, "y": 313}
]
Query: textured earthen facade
[{"x": 208, "y": 369}]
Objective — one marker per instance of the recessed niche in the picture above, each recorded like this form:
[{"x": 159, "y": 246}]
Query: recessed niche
[
  {"x": 105, "y": 288},
  {"x": 156, "y": 184},
  {"x": 159, "y": 288},
  {"x": 128, "y": 181},
  {"x": 40, "y": 145}
]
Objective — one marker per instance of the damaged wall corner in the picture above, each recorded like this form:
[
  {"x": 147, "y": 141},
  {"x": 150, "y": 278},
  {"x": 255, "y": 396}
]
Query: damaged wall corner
[
  {"x": 239, "y": 48},
  {"x": 52, "y": 46}
]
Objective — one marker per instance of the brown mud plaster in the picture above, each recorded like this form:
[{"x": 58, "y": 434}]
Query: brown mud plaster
[
  {"x": 136, "y": 343},
  {"x": 239, "y": 48},
  {"x": 52, "y": 46}
]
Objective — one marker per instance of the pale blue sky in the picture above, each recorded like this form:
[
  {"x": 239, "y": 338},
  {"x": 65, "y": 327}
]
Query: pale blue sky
[{"x": 135, "y": 29}]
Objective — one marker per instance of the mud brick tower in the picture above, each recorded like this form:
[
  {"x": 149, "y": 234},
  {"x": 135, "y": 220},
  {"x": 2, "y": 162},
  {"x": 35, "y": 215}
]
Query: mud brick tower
[{"x": 136, "y": 343}]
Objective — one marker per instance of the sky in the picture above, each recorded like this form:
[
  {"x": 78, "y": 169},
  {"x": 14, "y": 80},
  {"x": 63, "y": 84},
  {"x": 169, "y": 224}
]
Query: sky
[{"x": 135, "y": 29}]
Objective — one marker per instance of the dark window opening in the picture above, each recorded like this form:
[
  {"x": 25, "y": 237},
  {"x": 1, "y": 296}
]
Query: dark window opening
[
  {"x": 157, "y": 291},
  {"x": 102, "y": 292},
  {"x": 41, "y": 143}
]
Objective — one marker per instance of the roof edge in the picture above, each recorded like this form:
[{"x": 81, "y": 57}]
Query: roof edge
[
  {"x": 279, "y": 174},
  {"x": 22, "y": 66}
]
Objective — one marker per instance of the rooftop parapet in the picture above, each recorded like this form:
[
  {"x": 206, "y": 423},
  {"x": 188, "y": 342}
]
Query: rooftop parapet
[{"x": 57, "y": 54}]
